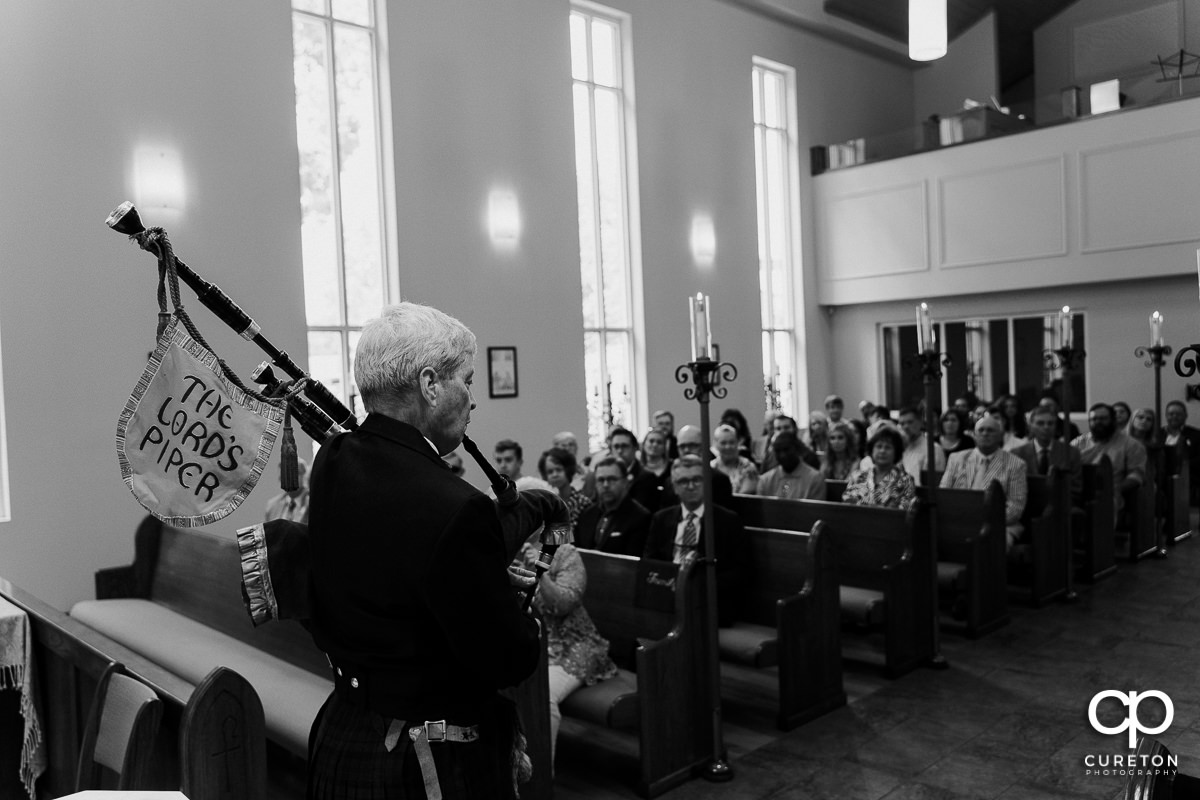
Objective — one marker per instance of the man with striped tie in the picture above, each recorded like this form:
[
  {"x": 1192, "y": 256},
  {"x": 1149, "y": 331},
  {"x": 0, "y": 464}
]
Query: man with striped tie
[
  {"x": 677, "y": 533},
  {"x": 976, "y": 469}
]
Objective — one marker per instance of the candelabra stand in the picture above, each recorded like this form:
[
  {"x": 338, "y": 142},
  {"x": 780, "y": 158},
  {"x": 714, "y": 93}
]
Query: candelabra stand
[
  {"x": 1068, "y": 359},
  {"x": 1156, "y": 357},
  {"x": 706, "y": 376},
  {"x": 931, "y": 374}
]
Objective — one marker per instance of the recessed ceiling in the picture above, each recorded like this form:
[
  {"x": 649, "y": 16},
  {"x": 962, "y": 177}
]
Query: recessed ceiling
[{"x": 1016, "y": 21}]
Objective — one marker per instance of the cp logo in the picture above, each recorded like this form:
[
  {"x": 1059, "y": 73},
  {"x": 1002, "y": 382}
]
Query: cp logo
[{"x": 1131, "y": 723}]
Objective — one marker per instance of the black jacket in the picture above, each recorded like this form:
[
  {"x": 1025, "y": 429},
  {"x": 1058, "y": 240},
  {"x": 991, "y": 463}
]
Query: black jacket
[{"x": 409, "y": 577}]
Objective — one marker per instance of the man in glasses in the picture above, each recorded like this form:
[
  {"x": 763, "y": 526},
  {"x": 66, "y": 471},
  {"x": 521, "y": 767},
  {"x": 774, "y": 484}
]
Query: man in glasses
[{"x": 677, "y": 534}]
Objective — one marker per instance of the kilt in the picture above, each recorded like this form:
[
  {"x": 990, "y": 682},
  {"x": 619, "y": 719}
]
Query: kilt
[{"x": 348, "y": 761}]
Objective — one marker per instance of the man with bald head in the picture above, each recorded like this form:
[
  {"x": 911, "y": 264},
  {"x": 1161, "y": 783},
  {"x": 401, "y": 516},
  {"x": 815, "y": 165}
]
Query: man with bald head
[
  {"x": 976, "y": 469},
  {"x": 690, "y": 445}
]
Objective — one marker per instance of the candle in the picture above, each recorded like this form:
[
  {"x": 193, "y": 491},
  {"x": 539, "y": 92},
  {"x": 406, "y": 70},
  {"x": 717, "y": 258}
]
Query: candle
[
  {"x": 701, "y": 332},
  {"x": 1065, "y": 328},
  {"x": 1198, "y": 265},
  {"x": 1156, "y": 323},
  {"x": 925, "y": 338}
]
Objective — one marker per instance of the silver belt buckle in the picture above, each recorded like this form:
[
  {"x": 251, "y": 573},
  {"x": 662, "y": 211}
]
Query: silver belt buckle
[{"x": 435, "y": 731}]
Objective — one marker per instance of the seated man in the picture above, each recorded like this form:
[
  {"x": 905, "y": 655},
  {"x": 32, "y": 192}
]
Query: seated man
[
  {"x": 643, "y": 484},
  {"x": 915, "y": 457},
  {"x": 1178, "y": 433},
  {"x": 690, "y": 445},
  {"x": 677, "y": 533},
  {"x": 1127, "y": 455},
  {"x": 291, "y": 505},
  {"x": 792, "y": 479},
  {"x": 509, "y": 458},
  {"x": 976, "y": 469},
  {"x": 617, "y": 523},
  {"x": 785, "y": 424},
  {"x": 1043, "y": 451}
]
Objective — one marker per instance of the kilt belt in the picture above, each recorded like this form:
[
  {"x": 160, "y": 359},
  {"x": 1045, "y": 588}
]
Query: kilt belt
[{"x": 439, "y": 731}]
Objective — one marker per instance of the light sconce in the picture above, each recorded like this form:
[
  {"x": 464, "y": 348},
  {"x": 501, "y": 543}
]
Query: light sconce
[
  {"x": 504, "y": 219},
  {"x": 158, "y": 184},
  {"x": 926, "y": 29},
  {"x": 703, "y": 241}
]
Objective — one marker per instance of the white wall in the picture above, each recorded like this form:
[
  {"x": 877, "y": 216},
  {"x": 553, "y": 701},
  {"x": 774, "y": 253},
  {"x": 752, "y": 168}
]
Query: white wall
[
  {"x": 81, "y": 85},
  {"x": 969, "y": 70},
  {"x": 481, "y": 97}
]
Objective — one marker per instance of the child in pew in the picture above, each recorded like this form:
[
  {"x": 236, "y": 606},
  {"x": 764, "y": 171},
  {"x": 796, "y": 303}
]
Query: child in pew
[{"x": 578, "y": 654}]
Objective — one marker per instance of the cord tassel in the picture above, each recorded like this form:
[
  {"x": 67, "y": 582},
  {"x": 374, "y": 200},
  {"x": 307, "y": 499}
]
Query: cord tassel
[{"x": 289, "y": 471}]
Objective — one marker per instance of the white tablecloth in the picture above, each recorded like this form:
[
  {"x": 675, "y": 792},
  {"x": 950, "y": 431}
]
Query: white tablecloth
[{"x": 17, "y": 672}]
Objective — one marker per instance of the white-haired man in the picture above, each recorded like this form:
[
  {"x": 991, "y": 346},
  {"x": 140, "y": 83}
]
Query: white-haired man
[
  {"x": 410, "y": 590},
  {"x": 987, "y": 462}
]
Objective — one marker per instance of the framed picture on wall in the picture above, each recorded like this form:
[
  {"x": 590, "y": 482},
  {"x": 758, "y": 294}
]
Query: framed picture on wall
[{"x": 502, "y": 371}]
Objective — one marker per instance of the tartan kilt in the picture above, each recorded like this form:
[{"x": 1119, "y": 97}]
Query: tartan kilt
[{"x": 347, "y": 759}]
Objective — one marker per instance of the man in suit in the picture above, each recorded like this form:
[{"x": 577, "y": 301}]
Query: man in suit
[
  {"x": 977, "y": 468},
  {"x": 1044, "y": 451},
  {"x": 411, "y": 598},
  {"x": 617, "y": 523},
  {"x": 1178, "y": 433},
  {"x": 677, "y": 533},
  {"x": 643, "y": 484},
  {"x": 691, "y": 445}
]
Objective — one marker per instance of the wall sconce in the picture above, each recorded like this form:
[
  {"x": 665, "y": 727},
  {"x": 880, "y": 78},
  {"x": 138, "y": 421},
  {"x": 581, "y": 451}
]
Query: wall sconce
[
  {"x": 504, "y": 219},
  {"x": 703, "y": 241},
  {"x": 158, "y": 184},
  {"x": 926, "y": 29}
]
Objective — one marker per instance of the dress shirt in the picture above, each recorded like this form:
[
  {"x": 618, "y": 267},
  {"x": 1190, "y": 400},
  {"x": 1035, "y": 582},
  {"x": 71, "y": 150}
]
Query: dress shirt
[
  {"x": 914, "y": 458},
  {"x": 803, "y": 483}
]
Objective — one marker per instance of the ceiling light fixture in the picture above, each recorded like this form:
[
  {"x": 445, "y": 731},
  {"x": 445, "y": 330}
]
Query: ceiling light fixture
[{"x": 926, "y": 29}]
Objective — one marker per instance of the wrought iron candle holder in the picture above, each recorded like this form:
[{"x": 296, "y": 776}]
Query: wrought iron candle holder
[
  {"x": 931, "y": 362},
  {"x": 708, "y": 377}
]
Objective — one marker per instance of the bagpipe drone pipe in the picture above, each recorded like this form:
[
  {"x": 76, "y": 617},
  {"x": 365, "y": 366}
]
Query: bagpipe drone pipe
[{"x": 275, "y": 554}]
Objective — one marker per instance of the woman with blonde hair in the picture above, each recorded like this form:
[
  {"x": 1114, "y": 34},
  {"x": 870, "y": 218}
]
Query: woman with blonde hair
[
  {"x": 742, "y": 472},
  {"x": 841, "y": 455}
]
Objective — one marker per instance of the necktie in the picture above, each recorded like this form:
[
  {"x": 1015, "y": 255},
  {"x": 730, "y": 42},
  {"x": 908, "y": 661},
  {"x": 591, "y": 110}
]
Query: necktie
[
  {"x": 691, "y": 534},
  {"x": 602, "y": 529},
  {"x": 1044, "y": 461}
]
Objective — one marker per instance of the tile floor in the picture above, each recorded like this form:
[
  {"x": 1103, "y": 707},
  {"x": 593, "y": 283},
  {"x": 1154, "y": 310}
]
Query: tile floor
[{"x": 1008, "y": 718}]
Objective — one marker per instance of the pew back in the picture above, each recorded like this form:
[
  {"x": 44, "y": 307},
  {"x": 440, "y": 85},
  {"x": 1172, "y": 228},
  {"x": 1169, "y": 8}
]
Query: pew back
[
  {"x": 1095, "y": 539},
  {"x": 1047, "y": 522},
  {"x": 883, "y": 550}
]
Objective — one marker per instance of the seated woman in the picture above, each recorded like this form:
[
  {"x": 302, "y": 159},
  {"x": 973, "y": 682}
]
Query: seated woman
[
  {"x": 817, "y": 435},
  {"x": 557, "y": 468},
  {"x": 578, "y": 654},
  {"x": 731, "y": 416},
  {"x": 1143, "y": 428},
  {"x": 1121, "y": 414},
  {"x": 841, "y": 457},
  {"x": 654, "y": 453},
  {"x": 742, "y": 472},
  {"x": 885, "y": 482},
  {"x": 953, "y": 439}
]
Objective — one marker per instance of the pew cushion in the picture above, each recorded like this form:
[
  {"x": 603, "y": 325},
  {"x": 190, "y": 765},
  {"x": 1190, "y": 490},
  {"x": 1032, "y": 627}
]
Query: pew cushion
[
  {"x": 291, "y": 696},
  {"x": 861, "y": 606},
  {"x": 952, "y": 577},
  {"x": 752, "y": 645},
  {"x": 612, "y": 702}
]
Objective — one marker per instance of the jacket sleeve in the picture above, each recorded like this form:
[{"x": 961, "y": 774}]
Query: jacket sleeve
[{"x": 468, "y": 592}]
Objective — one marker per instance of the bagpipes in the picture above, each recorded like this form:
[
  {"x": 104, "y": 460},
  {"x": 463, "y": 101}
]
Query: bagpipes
[{"x": 275, "y": 558}]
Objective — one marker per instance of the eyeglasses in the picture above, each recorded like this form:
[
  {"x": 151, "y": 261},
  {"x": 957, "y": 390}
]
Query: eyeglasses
[{"x": 688, "y": 481}]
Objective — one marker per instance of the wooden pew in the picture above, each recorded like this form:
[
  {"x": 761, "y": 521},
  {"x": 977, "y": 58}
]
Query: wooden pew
[
  {"x": 70, "y": 658},
  {"x": 790, "y": 619},
  {"x": 972, "y": 556},
  {"x": 834, "y": 490},
  {"x": 653, "y": 615},
  {"x": 1037, "y": 568},
  {"x": 1095, "y": 555},
  {"x": 1137, "y": 526},
  {"x": 198, "y": 575},
  {"x": 885, "y": 569},
  {"x": 1175, "y": 485}
]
